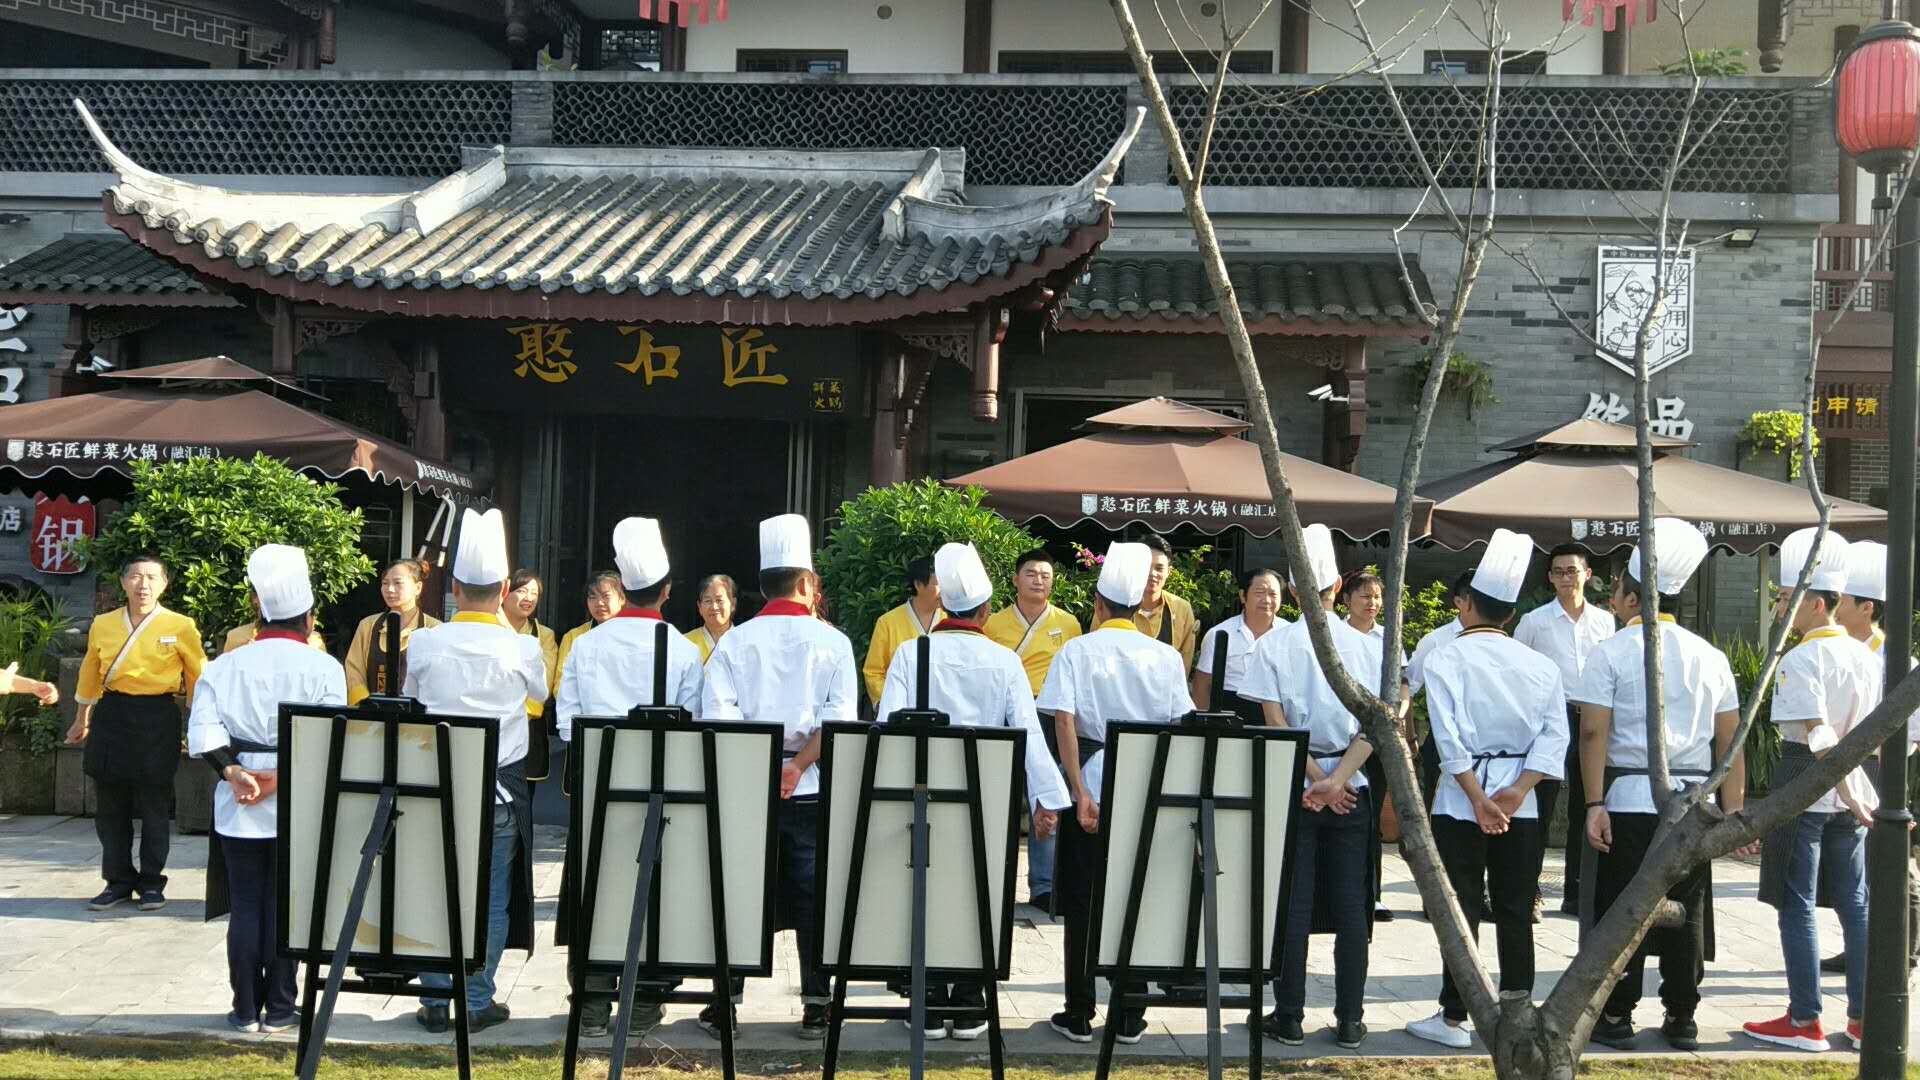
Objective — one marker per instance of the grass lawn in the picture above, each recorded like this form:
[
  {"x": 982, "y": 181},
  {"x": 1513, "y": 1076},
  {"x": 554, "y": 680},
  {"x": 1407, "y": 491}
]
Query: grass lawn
[{"x": 79, "y": 1058}]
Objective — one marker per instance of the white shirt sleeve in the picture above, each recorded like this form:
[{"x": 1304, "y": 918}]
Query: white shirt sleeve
[
  {"x": 1045, "y": 784},
  {"x": 205, "y": 730},
  {"x": 1599, "y": 684},
  {"x": 1262, "y": 681},
  {"x": 1179, "y": 700},
  {"x": 533, "y": 668},
  {"x": 719, "y": 699},
  {"x": 1443, "y": 712},
  {"x": 896, "y": 690},
  {"x": 1056, "y": 694},
  {"x": 687, "y": 695},
  {"x": 1548, "y": 756},
  {"x": 1203, "y": 662},
  {"x": 1527, "y": 632},
  {"x": 333, "y": 689},
  {"x": 843, "y": 684},
  {"x": 1798, "y": 690},
  {"x": 566, "y": 700}
]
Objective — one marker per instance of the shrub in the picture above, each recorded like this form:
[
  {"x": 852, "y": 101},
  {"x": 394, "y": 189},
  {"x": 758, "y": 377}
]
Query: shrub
[
  {"x": 29, "y": 627},
  {"x": 863, "y": 566},
  {"x": 1763, "y": 739},
  {"x": 1212, "y": 590},
  {"x": 204, "y": 516}
]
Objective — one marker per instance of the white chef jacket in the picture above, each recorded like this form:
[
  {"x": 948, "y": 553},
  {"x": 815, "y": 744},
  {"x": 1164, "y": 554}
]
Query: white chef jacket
[
  {"x": 476, "y": 665},
  {"x": 977, "y": 682},
  {"x": 239, "y": 696},
  {"x": 1489, "y": 694},
  {"x": 1114, "y": 673},
  {"x": 1285, "y": 670},
  {"x": 1826, "y": 685},
  {"x": 1551, "y": 632},
  {"x": 1433, "y": 639},
  {"x": 792, "y": 670},
  {"x": 610, "y": 670},
  {"x": 1878, "y": 643},
  {"x": 1240, "y": 643},
  {"x": 1699, "y": 685}
]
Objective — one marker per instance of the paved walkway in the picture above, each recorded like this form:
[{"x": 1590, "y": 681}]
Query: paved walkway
[{"x": 65, "y": 970}]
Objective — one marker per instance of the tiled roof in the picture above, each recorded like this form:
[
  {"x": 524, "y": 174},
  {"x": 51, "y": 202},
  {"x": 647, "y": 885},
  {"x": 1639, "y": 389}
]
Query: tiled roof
[
  {"x": 1278, "y": 294},
  {"x": 93, "y": 269},
  {"x": 555, "y": 231}
]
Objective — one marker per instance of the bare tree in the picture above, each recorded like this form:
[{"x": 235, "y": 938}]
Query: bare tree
[{"x": 1525, "y": 1039}]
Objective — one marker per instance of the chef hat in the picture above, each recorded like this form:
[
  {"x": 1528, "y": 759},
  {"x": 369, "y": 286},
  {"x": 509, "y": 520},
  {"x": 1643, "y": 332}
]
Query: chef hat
[
  {"x": 1829, "y": 563},
  {"x": 482, "y": 557},
  {"x": 1123, "y": 576},
  {"x": 278, "y": 574},
  {"x": 786, "y": 543},
  {"x": 1867, "y": 570},
  {"x": 964, "y": 584},
  {"x": 1678, "y": 548},
  {"x": 1320, "y": 559},
  {"x": 1503, "y": 568},
  {"x": 639, "y": 554}
]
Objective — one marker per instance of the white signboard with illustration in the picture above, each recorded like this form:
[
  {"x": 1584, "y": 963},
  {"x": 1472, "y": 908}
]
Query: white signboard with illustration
[{"x": 1625, "y": 288}]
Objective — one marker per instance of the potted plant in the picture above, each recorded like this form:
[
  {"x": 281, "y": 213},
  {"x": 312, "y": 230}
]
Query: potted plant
[
  {"x": 31, "y": 629},
  {"x": 1770, "y": 443},
  {"x": 1465, "y": 378}
]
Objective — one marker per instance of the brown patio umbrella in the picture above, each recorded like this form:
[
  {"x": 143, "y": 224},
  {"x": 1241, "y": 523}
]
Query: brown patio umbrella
[
  {"x": 1578, "y": 484},
  {"x": 1163, "y": 464}
]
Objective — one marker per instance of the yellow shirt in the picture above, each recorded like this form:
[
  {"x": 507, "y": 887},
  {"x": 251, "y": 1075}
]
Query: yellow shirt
[
  {"x": 165, "y": 657},
  {"x": 1036, "y": 643},
  {"x": 890, "y": 631},
  {"x": 699, "y": 636},
  {"x": 244, "y": 635},
  {"x": 362, "y": 647},
  {"x": 566, "y": 646},
  {"x": 1183, "y": 635},
  {"x": 550, "y": 653}
]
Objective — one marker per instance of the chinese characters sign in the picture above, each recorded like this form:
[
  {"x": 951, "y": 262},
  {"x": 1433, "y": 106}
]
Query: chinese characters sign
[
  {"x": 1626, "y": 288},
  {"x": 34, "y": 451},
  {"x": 1851, "y": 409},
  {"x": 1666, "y": 414},
  {"x": 1595, "y": 529},
  {"x": 12, "y": 376},
  {"x": 1201, "y": 511},
  {"x": 718, "y": 371},
  {"x": 59, "y": 527}
]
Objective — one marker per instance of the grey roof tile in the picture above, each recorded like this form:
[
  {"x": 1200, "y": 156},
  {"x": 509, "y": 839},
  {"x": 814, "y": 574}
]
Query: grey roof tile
[{"x": 1320, "y": 294}]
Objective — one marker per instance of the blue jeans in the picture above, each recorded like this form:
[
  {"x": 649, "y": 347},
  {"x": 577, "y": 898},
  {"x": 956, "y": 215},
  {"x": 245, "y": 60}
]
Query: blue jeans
[
  {"x": 506, "y": 844},
  {"x": 1331, "y": 855},
  {"x": 1040, "y": 861},
  {"x": 1833, "y": 845}
]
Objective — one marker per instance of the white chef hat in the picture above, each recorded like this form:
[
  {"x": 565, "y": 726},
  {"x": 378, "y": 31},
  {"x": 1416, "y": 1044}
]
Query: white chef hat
[
  {"x": 1123, "y": 576},
  {"x": 278, "y": 574},
  {"x": 1679, "y": 549},
  {"x": 964, "y": 584},
  {"x": 1829, "y": 563},
  {"x": 1320, "y": 559},
  {"x": 786, "y": 543},
  {"x": 1867, "y": 570},
  {"x": 639, "y": 553},
  {"x": 482, "y": 556},
  {"x": 1503, "y": 569}
]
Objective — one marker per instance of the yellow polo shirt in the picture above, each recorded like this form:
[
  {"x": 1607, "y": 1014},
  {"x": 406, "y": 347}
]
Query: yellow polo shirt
[
  {"x": 566, "y": 646},
  {"x": 1185, "y": 633},
  {"x": 1036, "y": 648},
  {"x": 165, "y": 658},
  {"x": 890, "y": 631}
]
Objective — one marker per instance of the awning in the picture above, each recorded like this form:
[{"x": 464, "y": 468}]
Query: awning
[{"x": 1345, "y": 295}]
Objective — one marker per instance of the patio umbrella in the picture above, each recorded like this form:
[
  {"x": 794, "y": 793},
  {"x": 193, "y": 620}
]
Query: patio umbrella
[
  {"x": 1579, "y": 484},
  {"x": 89, "y": 434},
  {"x": 1164, "y": 464}
]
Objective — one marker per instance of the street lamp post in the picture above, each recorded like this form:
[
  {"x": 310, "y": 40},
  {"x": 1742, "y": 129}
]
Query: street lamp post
[{"x": 1877, "y": 122}]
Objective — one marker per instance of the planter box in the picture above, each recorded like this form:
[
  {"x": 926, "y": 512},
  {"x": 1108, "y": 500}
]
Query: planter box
[
  {"x": 72, "y": 791},
  {"x": 26, "y": 779}
]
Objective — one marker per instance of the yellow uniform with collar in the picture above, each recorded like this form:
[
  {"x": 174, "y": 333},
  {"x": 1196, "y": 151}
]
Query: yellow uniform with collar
[
  {"x": 1036, "y": 643},
  {"x": 246, "y": 632},
  {"x": 702, "y": 638},
  {"x": 165, "y": 658},
  {"x": 1184, "y": 631},
  {"x": 890, "y": 631},
  {"x": 566, "y": 646}
]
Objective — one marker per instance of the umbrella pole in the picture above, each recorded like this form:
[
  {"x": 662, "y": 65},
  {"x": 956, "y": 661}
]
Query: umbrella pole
[{"x": 406, "y": 520}]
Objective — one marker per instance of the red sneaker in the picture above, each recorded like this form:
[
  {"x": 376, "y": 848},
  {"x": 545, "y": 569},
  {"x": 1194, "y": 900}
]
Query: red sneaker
[
  {"x": 1784, "y": 1032},
  {"x": 1853, "y": 1034}
]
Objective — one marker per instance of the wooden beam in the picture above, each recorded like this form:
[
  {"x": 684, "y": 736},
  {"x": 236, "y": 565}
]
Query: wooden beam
[
  {"x": 1616, "y": 50},
  {"x": 976, "y": 49},
  {"x": 1771, "y": 39}
]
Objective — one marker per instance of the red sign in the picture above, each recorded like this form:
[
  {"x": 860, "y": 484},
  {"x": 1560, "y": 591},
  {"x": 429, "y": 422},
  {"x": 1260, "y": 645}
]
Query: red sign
[
  {"x": 687, "y": 7},
  {"x": 58, "y": 527},
  {"x": 1610, "y": 10}
]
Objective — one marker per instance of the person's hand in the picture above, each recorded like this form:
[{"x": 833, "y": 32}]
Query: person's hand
[
  {"x": 1493, "y": 820},
  {"x": 268, "y": 779},
  {"x": 1044, "y": 821},
  {"x": 246, "y": 790},
  {"x": 1328, "y": 794},
  {"x": 1509, "y": 800},
  {"x": 1088, "y": 813},
  {"x": 46, "y": 692},
  {"x": 1748, "y": 850},
  {"x": 790, "y": 779},
  {"x": 1600, "y": 829},
  {"x": 1860, "y": 813},
  {"x": 77, "y": 734}
]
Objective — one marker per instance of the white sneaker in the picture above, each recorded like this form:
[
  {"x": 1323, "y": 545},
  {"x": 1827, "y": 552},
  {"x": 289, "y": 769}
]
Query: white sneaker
[
  {"x": 969, "y": 1030},
  {"x": 933, "y": 1034},
  {"x": 1435, "y": 1029}
]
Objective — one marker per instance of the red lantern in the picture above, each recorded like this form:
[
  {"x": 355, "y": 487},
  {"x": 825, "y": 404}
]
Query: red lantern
[
  {"x": 1611, "y": 11},
  {"x": 1876, "y": 98},
  {"x": 687, "y": 7}
]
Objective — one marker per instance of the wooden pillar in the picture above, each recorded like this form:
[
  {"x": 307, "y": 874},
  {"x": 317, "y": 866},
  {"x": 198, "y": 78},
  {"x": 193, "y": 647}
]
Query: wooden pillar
[
  {"x": 887, "y": 461},
  {"x": 976, "y": 49},
  {"x": 1615, "y": 48},
  {"x": 430, "y": 422},
  {"x": 1345, "y": 423},
  {"x": 1771, "y": 39},
  {"x": 286, "y": 338},
  {"x": 1296, "y": 30}
]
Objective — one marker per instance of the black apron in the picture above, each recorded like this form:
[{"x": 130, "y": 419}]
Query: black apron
[
  {"x": 219, "y": 895},
  {"x": 541, "y": 728},
  {"x": 1656, "y": 940},
  {"x": 133, "y": 739},
  {"x": 377, "y": 657}
]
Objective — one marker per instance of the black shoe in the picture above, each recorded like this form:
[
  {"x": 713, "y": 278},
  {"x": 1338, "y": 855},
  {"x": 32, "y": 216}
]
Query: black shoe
[
  {"x": 1617, "y": 1034},
  {"x": 1835, "y": 965},
  {"x": 1349, "y": 1034},
  {"x": 432, "y": 1017},
  {"x": 813, "y": 1022},
  {"x": 152, "y": 900},
  {"x": 1570, "y": 906},
  {"x": 1681, "y": 1032},
  {"x": 493, "y": 1015},
  {"x": 108, "y": 898},
  {"x": 1285, "y": 1029},
  {"x": 710, "y": 1021},
  {"x": 1043, "y": 901},
  {"x": 1382, "y": 914},
  {"x": 1129, "y": 1028},
  {"x": 1075, "y": 1027}
]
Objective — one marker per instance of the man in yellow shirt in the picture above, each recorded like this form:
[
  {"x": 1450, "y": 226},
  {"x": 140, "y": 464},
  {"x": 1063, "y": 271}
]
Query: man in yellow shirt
[
  {"x": 1034, "y": 629},
  {"x": 1162, "y": 615},
  {"x": 917, "y": 616}
]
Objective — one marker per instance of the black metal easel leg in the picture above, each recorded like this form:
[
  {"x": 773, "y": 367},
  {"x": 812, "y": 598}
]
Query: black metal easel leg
[
  {"x": 835, "y": 1018},
  {"x": 917, "y": 1008},
  {"x": 1116, "y": 1005},
  {"x": 377, "y": 835},
  {"x": 456, "y": 939},
  {"x": 1210, "y": 934},
  {"x": 309, "y": 994},
  {"x": 996, "y": 1045},
  {"x": 636, "y": 930},
  {"x": 573, "y": 1032}
]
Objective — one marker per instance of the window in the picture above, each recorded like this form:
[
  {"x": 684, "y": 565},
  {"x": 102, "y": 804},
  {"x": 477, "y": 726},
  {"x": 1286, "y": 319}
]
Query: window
[
  {"x": 1462, "y": 62},
  {"x": 792, "y": 61},
  {"x": 632, "y": 48},
  {"x": 1117, "y": 63}
]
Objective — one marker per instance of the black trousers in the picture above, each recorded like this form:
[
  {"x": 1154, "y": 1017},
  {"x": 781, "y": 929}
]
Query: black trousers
[
  {"x": 1331, "y": 855},
  {"x": 1429, "y": 771},
  {"x": 117, "y": 803},
  {"x": 1506, "y": 868},
  {"x": 1076, "y": 855},
  {"x": 1681, "y": 965},
  {"x": 261, "y": 980},
  {"x": 1576, "y": 788},
  {"x": 798, "y": 822}
]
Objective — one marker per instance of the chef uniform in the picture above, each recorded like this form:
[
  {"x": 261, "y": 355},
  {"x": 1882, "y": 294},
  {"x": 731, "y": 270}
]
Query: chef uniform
[
  {"x": 1567, "y": 641},
  {"x": 1334, "y": 854},
  {"x": 1430, "y": 642},
  {"x": 1498, "y": 712},
  {"x": 609, "y": 671},
  {"x": 1113, "y": 673},
  {"x": 1826, "y": 684},
  {"x": 786, "y": 667},
  {"x": 890, "y": 631},
  {"x": 977, "y": 683},
  {"x": 1036, "y": 643},
  {"x": 236, "y": 721},
  {"x": 1240, "y": 645},
  {"x": 474, "y": 666},
  {"x": 246, "y": 633},
  {"x": 1699, "y": 687},
  {"x": 129, "y": 676}
]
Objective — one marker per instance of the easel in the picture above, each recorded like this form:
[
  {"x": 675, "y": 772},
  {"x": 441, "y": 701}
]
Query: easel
[
  {"x": 383, "y": 972},
  {"x": 643, "y": 927},
  {"x": 923, "y": 725}
]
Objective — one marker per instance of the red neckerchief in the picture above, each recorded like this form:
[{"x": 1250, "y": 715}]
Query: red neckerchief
[
  {"x": 951, "y": 623},
  {"x": 631, "y": 612},
  {"x": 785, "y": 607},
  {"x": 281, "y": 635}
]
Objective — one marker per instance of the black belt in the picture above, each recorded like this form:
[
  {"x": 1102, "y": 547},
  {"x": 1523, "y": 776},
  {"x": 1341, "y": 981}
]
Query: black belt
[
  {"x": 1342, "y": 752},
  {"x": 135, "y": 697},
  {"x": 1482, "y": 761},
  {"x": 1614, "y": 772},
  {"x": 248, "y": 746},
  {"x": 1089, "y": 747}
]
